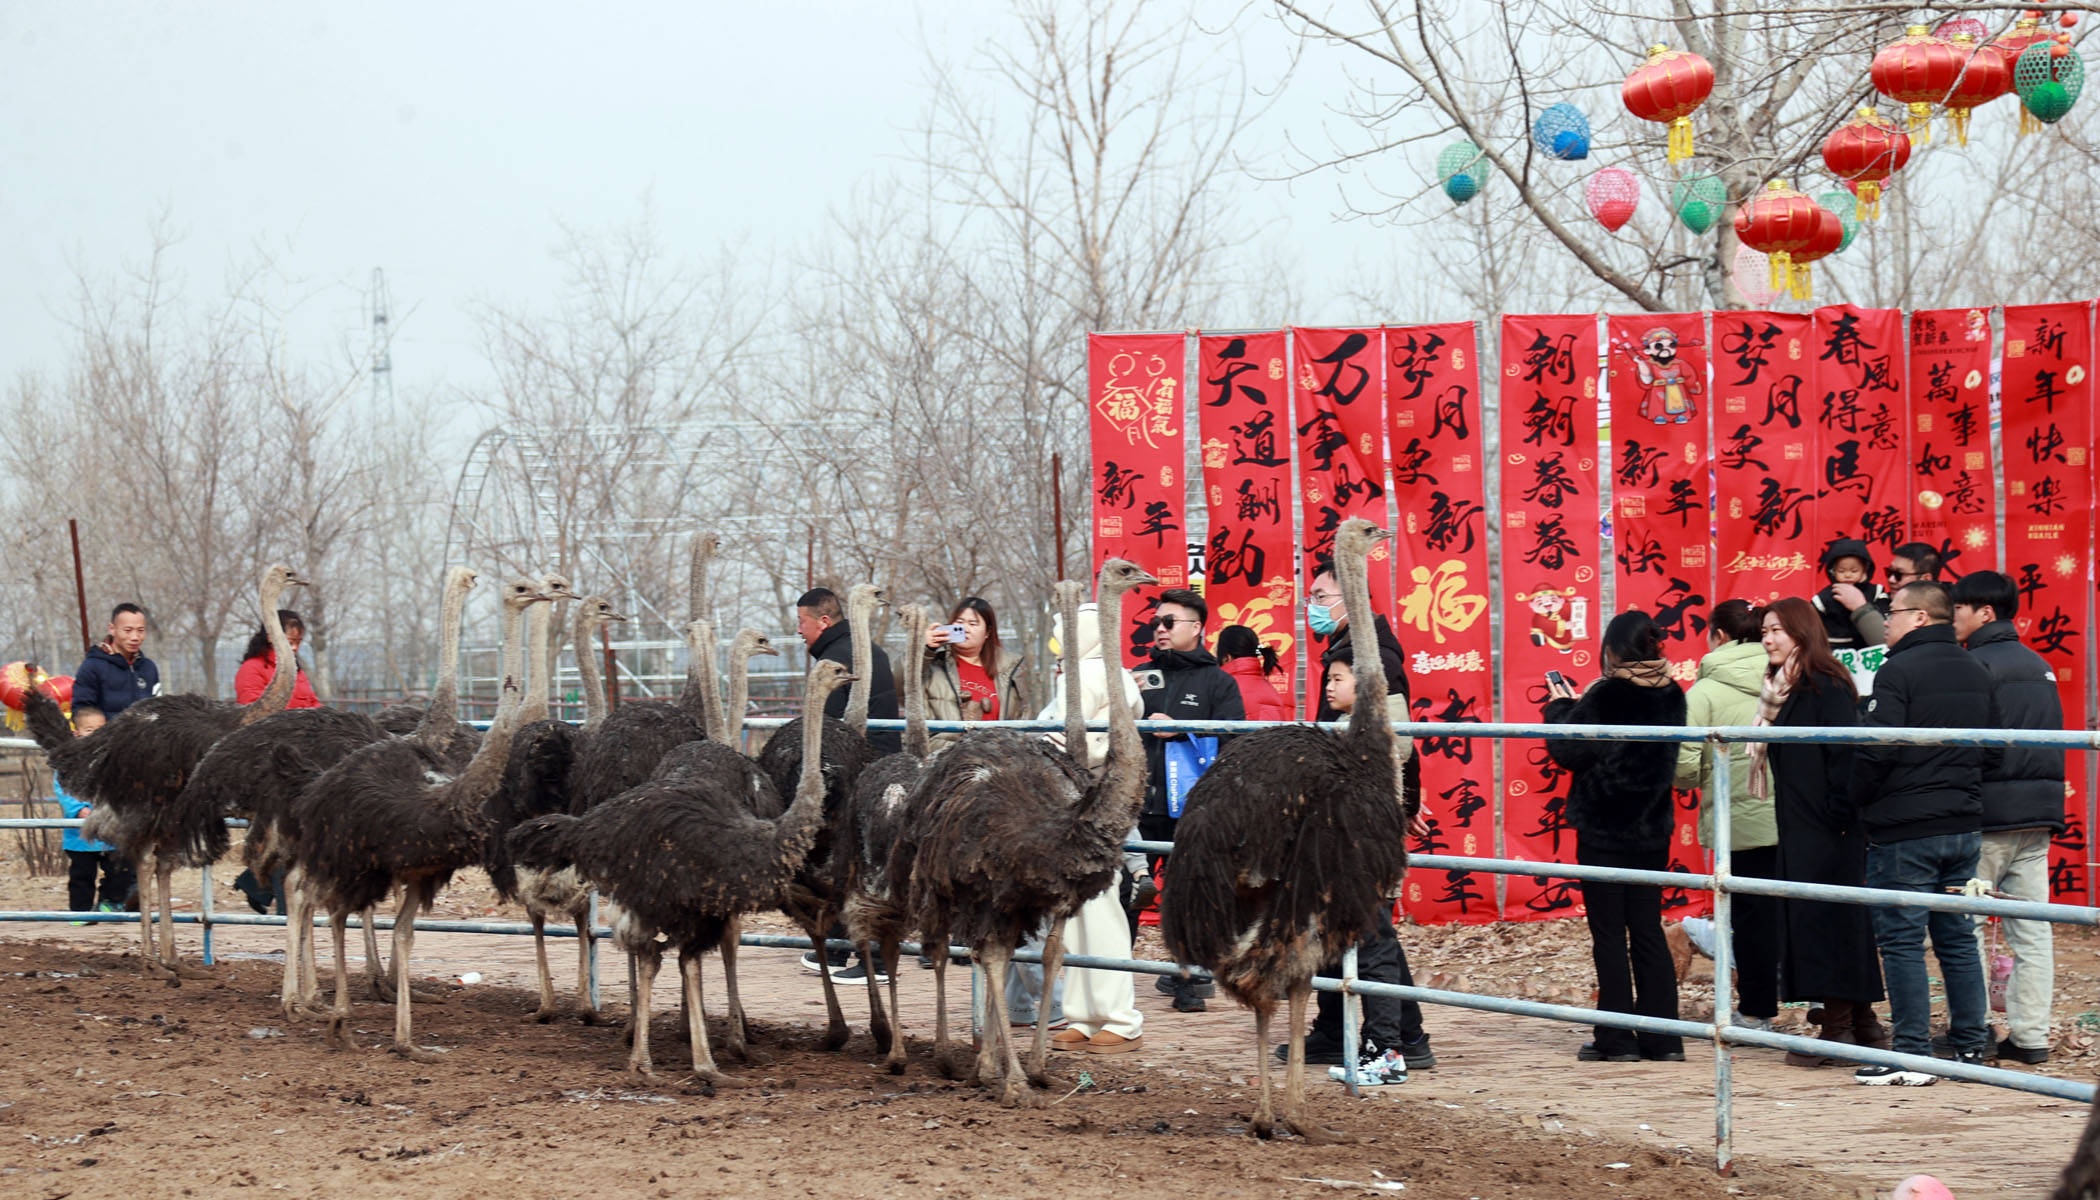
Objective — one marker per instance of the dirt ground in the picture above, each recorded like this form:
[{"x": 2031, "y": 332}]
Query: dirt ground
[{"x": 118, "y": 1087}]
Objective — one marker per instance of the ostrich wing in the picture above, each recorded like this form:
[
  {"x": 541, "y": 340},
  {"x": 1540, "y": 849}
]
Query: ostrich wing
[
  {"x": 1287, "y": 854},
  {"x": 134, "y": 768},
  {"x": 259, "y": 770},
  {"x": 873, "y": 821},
  {"x": 535, "y": 784},
  {"x": 846, "y": 755},
  {"x": 626, "y": 749},
  {"x": 376, "y": 816}
]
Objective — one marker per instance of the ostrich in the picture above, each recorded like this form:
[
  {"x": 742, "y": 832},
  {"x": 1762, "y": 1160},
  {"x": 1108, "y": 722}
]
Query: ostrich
[
  {"x": 536, "y": 783},
  {"x": 1005, "y": 832},
  {"x": 134, "y": 771},
  {"x": 258, "y": 770},
  {"x": 391, "y": 815},
  {"x": 1289, "y": 849},
  {"x": 867, "y": 829},
  {"x": 682, "y": 856},
  {"x": 814, "y": 900}
]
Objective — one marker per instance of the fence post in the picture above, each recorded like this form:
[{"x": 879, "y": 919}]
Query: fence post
[
  {"x": 1724, "y": 961},
  {"x": 204, "y": 910},
  {"x": 1352, "y": 1026},
  {"x": 591, "y": 927}
]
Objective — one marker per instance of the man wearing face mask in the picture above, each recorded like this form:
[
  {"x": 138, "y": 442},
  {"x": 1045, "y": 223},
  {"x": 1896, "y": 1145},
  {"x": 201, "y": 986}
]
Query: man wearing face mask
[{"x": 1388, "y": 1024}]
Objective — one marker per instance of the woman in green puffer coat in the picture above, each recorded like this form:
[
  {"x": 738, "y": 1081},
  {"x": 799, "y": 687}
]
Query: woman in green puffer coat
[{"x": 1726, "y": 694}]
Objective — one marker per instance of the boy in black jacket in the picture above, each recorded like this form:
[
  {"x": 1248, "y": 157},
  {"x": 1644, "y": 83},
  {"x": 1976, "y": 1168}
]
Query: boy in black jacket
[{"x": 1923, "y": 811}]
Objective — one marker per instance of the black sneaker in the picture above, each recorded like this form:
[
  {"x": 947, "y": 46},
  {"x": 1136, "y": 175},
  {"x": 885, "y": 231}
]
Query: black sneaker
[
  {"x": 1197, "y": 984},
  {"x": 1590, "y": 1053},
  {"x": 1189, "y": 1000},
  {"x": 2021, "y": 1054},
  {"x": 839, "y": 959},
  {"x": 1877, "y": 1076},
  {"x": 1418, "y": 1054},
  {"x": 1319, "y": 1051},
  {"x": 857, "y": 973}
]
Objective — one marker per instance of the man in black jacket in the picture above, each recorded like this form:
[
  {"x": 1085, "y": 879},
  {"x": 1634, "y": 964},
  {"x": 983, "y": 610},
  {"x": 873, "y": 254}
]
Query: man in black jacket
[
  {"x": 1388, "y": 1024},
  {"x": 1923, "y": 811},
  {"x": 2023, "y": 800},
  {"x": 116, "y": 673},
  {"x": 1184, "y": 683}
]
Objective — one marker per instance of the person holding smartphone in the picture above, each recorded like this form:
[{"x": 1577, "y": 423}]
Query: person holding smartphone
[
  {"x": 969, "y": 662},
  {"x": 1620, "y": 803}
]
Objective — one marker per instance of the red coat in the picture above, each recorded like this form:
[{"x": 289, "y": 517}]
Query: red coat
[
  {"x": 1263, "y": 701},
  {"x": 255, "y": 675}
]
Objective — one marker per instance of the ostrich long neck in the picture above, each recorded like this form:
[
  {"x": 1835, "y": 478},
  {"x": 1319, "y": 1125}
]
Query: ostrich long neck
[
  {"x": 587, "y": 674},
  {"x": 860, "y": 631},
  {"x": 1113, "y": 803},
  {"x": 1368, "y": 727},
  {"x": 547, "y": 660},
  {"x": 470, "y": 791},
  {"x": 701, "y": 679},
  {"x": 739, "y": 695},
  {"x": 441, "y": 718},
  {"x": 796, "y": 831},
  {"x": 511, "y": 665},
  {"x": 916, "y": 742},
  {"x": 279, "y": 693},
  {"x": 533, "y": 706},
  {"x": 1076, "y": 743}
]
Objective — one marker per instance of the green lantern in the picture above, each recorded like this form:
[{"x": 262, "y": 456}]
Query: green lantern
[
  {"x": 1846, "y": 206},
  {"x": 1698, "y": 201},
  {"x": 2048, "y": 77},
  {"x": 1462, "y": 168}
]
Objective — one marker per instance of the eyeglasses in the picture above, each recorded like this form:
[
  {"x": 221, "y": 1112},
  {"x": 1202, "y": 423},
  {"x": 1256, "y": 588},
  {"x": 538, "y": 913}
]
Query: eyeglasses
[
  {"x": 1896, "y": 576},
  {"x": 1171, "y": 622},
  {"x": 1894, "y": 611},
  {"x": 1323, "y": 597}
]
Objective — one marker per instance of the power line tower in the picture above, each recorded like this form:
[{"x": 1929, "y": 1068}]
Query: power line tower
[{"x": 382, "y": 343}]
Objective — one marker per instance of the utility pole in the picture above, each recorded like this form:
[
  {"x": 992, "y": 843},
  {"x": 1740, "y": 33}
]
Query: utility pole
[{"x": 382, "y": 367}]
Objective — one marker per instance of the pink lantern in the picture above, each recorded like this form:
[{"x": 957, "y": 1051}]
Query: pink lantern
[
  {"x": 1752, "y": 275},
  {"x": 1613, "y": 195}
]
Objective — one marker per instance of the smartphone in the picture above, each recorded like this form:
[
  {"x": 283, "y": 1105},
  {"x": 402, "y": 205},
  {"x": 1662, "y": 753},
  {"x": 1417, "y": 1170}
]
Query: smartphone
[
  {"x": 954, "y": 635},
  {"x": 1554, "y": 679},
  {"x": 1150, "y": 680}
]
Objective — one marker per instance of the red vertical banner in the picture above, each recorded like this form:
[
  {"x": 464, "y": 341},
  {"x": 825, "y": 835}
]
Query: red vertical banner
[
  {"x": 1340, "y": 410},
  {"x": 1663, "y": 564},
  {"x": 1953, "y": 502},
  {"x": 1551, "y": 545},
  {"x": 1764, "y": 451},
  {"x": 1857, "y": 379},
  {"x": 1134, "y": 417},
  {"x": 1250, "y": 559},
  {"x": 1439, "y": 468},
  {"x": 2047, "y": 399}
]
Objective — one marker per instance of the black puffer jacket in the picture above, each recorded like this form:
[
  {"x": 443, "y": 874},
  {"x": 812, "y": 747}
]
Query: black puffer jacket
[
  {"x": 1859, "y": 628},
  {"x": 1193, "y": 687},
  {"x": 1906, "y": 792},
  {"x": 1619, "y": 792},
  {"x": 2026, "y": 789},
  {"x": 836, "y": 644}
]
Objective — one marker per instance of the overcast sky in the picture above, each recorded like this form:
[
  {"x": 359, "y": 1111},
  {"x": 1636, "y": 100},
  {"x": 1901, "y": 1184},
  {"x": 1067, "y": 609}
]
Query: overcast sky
[{"x": 446, "y": 142}]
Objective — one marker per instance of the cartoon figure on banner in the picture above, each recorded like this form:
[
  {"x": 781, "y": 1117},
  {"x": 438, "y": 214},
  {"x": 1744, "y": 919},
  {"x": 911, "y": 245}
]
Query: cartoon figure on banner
[
  {"x": 1559, "y": 617},
  {"x": 1667, "y": 389}
]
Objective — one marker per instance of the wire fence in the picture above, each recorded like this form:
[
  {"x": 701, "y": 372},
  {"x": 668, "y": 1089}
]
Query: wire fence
[{"x": 1721, "y": 881}]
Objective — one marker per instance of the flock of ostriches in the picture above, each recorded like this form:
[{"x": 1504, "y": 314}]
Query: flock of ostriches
[{"x": 1290, "y": 846}]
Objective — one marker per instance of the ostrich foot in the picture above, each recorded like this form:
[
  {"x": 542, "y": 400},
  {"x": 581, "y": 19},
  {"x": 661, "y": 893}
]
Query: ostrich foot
[
  {"x": 415, "y": 1053},
  {"x": 300, "y": 1010},
  {"x": 1041, "y": 1078},
  {"x": 338, "y": 1035},
  {"x": 382, "y": 989},
  {"x": 747, "y": 1053},
  {"x": 718, "y": 1079},
  {"x": 1015, "y": 1094},
  {"x": 422, "y": 997},
  {"x": 642, "y": 1073},
  {"x": 185, "y": 970},
  {"x": 1316, "y": 1134},
  {"x": 590, "y": 1016},
  {"x": 545, "y": 1015},
  {"x": 882, "y": 1036},
  {"x": 158, "y": 970},
  {"x": 948, "y": 1066},
  {"x": 1262, "y": 1127},
  {"x": 836, "y": 1035}
]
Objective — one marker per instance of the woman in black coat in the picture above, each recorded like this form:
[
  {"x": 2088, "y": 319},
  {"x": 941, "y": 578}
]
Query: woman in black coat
[
  {"x": 1619, "y": 801},
  {"x": 1827, "y": 950}
]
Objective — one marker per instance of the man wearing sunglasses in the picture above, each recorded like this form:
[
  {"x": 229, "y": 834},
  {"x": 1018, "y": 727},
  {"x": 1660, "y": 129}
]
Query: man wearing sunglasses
[{"x": 1185, "y": 683}]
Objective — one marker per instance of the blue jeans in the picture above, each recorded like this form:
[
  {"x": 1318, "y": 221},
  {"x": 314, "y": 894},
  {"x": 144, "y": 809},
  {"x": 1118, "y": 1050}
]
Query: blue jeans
[{"x": 1939, "y": 865}]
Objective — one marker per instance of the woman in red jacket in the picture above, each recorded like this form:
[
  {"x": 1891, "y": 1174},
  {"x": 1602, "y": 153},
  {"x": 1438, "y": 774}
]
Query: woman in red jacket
[
  {"x": 259, "y": 665},
  {"x": 1252, "y": 665}
]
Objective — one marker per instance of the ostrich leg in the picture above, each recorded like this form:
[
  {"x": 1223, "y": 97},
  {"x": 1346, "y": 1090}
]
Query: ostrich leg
[
  {"x": 998, "y": 1059},
  {"x": 890, "y": 958},
  {"x": 144, "y": 869},
  {"x": 586, "y": 1011},
  {"x": 548, "y": 1009},
  {"x": 405, "y": 996},
  {"x": 739, "y": 1042},
  {"x": 835, "y": 1031},
  {"x": 1264, "y": 1113},
  {"x": 381, "y": 975},
  {"x": 1053, "y": 960},
  {"x": 339, "y": 1021},
  {"x": 299, "y": 989},
  {"x": 643, "y": 966},
  {"x": 1294, "y": 1080},
  {"x": 696, "y": 1024},
  {"x": 165, "y": 871},
  {"x": 938, "y": 941},
  {"x": 878, "y": 1020}
]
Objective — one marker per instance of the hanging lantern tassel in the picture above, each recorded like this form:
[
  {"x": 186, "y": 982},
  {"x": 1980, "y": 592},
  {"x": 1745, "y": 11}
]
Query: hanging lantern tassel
[
  {"x": 1680, "y": 139},
  {"x": 1869, "y": 208},
  {"x": 1958, "y": 121},
  {"x": 1802, "y": 286},
  {"x": 1921, "y": 124},
  {"x": 1782, "y": 270}
]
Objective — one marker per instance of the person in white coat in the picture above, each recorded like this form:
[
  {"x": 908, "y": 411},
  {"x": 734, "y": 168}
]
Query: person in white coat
[{"x": 1099, "y": 1007}]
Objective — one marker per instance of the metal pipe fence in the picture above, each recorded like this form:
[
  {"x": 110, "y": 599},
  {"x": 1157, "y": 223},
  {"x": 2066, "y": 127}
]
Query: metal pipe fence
[{"x": 1722, "y": 1031}]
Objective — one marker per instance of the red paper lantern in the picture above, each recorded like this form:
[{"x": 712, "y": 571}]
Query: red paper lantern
[
  {"x": 1613, "y": 194},
  {"x": 1987, "y": 76},
  {"x": 1826, "y": 240},
  {"x": 1668, "y": 88},
  {"x": 1918, "y": 71},
  {"x": 2026, "y": 32},
  {"x": 15, "y": 682},
  {"x": 1863, "y": 152},
  {"x": 1778, "y": 222}
]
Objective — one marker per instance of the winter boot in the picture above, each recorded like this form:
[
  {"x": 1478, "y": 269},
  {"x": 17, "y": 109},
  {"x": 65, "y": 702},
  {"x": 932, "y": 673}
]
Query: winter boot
[
  {"x": 1867, "y": 1029},
  {"x": 1835, "y": 1020}
]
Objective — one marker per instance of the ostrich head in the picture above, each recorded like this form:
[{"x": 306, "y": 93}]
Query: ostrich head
[
  {"x": 1357, "y": 536},
  {"x": 827, "y": 678},
  {"x": 461, "y": 579},
  {"x": 864, "y": 597},
  {"x": 1121, "y": 575},
  {"x": 277, "y": 577},
  {"x": 596, "y": 612},
  {"x": 750, "y": 642},
  {"x": 554, "y": 587}
]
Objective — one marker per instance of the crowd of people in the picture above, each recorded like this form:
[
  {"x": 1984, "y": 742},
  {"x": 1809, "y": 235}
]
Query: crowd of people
[
  {"x": 1934, "y": 819},
  {"x": 1905, "y": 817}
]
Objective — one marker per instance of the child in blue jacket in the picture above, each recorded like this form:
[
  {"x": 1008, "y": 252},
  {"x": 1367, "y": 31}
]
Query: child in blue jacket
[{"x": 90, "y": 859}]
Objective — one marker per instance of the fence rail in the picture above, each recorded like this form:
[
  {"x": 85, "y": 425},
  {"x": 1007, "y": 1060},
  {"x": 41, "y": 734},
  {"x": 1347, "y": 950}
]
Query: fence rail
[{"x": 1721, "y": 881}]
